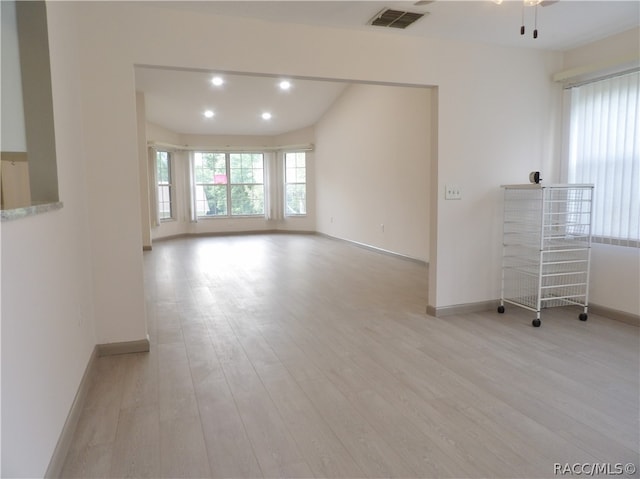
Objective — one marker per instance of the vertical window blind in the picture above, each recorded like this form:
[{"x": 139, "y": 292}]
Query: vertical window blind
[{"x": 604, "y": 150}]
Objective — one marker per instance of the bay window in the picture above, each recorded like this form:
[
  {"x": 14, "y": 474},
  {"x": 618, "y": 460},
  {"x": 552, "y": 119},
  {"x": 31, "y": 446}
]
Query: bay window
[{"x": 228, "y": 184}]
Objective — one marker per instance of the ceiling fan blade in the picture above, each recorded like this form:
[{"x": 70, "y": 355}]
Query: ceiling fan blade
[{"x": 546, "y": 3}]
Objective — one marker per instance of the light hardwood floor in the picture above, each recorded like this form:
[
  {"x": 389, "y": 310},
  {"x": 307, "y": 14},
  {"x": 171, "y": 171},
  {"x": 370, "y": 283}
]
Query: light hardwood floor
[{"x": 303, "y": 356}]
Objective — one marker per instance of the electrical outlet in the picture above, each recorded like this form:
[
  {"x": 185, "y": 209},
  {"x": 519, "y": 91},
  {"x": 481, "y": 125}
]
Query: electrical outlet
[
  {"x": 382, "y": 227},
  {"x": 452, "y": 192}
]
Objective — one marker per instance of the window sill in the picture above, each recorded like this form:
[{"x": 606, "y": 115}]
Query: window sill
[
  {"x": 19, "y": 213},
  {"x": 615, "y": 241}
]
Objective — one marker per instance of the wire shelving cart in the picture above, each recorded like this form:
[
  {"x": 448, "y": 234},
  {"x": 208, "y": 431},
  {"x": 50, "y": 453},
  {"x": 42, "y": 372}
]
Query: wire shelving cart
[{"x": 546, "y": 247}]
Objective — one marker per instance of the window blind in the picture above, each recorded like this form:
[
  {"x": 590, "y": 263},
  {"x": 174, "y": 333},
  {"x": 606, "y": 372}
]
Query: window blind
[{"x": 604, "y": 150}]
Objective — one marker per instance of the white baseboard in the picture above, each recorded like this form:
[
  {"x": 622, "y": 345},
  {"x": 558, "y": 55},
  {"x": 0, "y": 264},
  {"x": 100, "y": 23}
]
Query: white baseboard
[
  {"x": 490, "y": 305},
  {"x": 465, "y": 308},
  {"x": 375, "y": 248},
  {"x": 64, "y": 441},
  {"x": 611, "y": 313},
  {"x": 127, "y": 347},
  {"x": 68, "y": 430},
  {"x": 232, "y": 233}
]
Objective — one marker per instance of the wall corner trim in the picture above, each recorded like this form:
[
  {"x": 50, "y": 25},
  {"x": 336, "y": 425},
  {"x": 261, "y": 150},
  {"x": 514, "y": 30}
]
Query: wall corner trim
[
  {"x": 54, "y": 470},
  {"x": 375, "y": 249},
  {"x": 126, "y": 347}
]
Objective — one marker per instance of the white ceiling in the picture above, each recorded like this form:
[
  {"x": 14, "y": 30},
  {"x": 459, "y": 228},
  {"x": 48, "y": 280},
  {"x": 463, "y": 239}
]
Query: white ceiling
[
  {"x": 176, "y": 99},
  {"x": 562, "y": 25}
]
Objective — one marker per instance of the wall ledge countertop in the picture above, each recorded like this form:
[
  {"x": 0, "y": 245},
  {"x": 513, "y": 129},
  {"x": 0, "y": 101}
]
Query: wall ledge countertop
[{"x": 17, "y": 213}]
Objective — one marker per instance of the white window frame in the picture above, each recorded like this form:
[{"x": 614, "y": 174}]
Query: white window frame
[
  {"x": 229, "y": 184},
  {"x": 287, "y": 183},
  {"x": 170, "y": 185}
]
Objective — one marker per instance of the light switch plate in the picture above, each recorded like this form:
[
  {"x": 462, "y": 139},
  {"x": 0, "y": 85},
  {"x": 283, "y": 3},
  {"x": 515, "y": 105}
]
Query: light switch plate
[{"x": 452, "y": 192}]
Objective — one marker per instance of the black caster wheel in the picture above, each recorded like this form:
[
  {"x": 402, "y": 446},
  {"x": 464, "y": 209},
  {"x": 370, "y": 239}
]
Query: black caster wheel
[
  {"x": 583, "y": 316},
  {"x": 501, "y": 309},
  {"x": 536, "y": 323}
]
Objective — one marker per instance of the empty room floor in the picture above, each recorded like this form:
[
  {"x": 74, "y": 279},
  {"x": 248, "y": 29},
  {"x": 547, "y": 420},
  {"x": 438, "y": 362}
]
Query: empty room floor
[{"x": 302, "y": 356}]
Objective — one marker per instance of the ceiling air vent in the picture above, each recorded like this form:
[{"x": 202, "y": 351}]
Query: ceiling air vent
[{"x": 394, "y": 18}]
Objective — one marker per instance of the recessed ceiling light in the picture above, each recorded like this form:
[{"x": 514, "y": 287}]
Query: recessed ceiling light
[
  {"x": 217, "y": 81},
  {"x": 266, "y": 115},
  {"x": 209, "y": 113},
  {"x": 285, "y": 85}
]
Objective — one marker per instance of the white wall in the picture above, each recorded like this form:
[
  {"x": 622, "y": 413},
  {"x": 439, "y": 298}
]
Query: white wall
[
  {"x": 497, "y": 122},
  {"x": 47, "y": 298},
  {"x": 606, "y": 53},
  {"x": 615, "y": 278},
  {"x": 615, "y": 270},
  {"x": 156, "y": 133},
  {"x": 113, "y": 179},
  {"x": 373, "y": 168}
]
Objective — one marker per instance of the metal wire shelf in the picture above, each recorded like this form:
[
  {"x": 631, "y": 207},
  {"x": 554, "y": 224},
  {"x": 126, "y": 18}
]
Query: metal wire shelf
[{"x": 546, "y": 247}]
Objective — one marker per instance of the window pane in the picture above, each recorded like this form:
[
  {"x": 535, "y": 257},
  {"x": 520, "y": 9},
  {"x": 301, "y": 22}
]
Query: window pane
[
  {"x": 163, "y": 173},
  {"x": 211, "y": 200},
  {"x": 201, "y": 201},
  {"x": 296, "y": 200},
  {"x": 219, "y": 163},
  {"x": 162, "y": 164},
  {"x": 163, "y": 193},
  {"x": 290, "y": 176},
  {"x": 247, "y": 199},
  {"x": 209, "y": 166},
  {"x": 237, "y": 176},
  {"x": 246, "y": 168},
  {"x": 211, "y": 179},
  {"x": 235, "y": 160},
  {"x": 295, "y": 188},
  {"x": 164, "y": 202}
]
